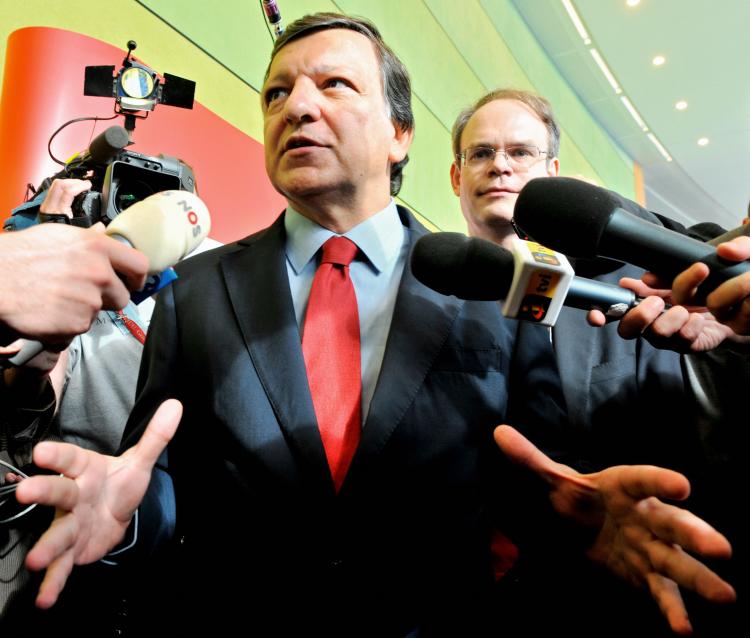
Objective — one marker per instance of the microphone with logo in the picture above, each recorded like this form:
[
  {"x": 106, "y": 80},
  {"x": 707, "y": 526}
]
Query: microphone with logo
[
  {"x": 582, "y": 220},
  {"x": 165, "y": 227},
  {"x": 534, "y": 281}
]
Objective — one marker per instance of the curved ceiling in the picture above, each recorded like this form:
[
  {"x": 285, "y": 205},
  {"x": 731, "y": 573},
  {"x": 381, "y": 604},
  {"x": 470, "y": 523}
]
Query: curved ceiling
[{"x": 704, "y": 43}]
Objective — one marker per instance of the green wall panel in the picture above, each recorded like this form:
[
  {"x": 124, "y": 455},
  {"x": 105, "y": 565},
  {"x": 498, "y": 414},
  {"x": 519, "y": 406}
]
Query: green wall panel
[{"x": 455, "y": 51}]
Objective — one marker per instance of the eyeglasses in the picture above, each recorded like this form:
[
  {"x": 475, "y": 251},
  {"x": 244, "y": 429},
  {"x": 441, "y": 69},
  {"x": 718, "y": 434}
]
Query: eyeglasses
[{"x": 520, "y": 157}]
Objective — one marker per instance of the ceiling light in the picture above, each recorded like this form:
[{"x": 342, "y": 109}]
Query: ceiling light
[
  {"x": 681, "y": 105},
  {"x": 605, "y": 69},
  {"x": 703, "y": 141},
  {"x": 633, "y": 3},
  {"x": 636, "y": 116},
  {"x": 659, "y": 146},
  {"x": 576, "y": 20},
  {"x": 658, "y": 60}
]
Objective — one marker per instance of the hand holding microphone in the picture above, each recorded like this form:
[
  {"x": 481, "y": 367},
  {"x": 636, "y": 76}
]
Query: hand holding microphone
[
  {"x": 63, "y": 275},
  {"x": 583, "y": 220},
  {"x": 533, "y": 280},
  {"x": 729, "y": 302}
]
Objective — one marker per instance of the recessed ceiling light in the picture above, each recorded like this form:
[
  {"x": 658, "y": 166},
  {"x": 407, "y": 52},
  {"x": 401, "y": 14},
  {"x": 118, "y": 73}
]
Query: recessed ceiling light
[
  {"x": 633, "y": 3},
  {"x": 703, "y": 141},
  {"x": 681, "y": 105},
  {"x": 658, "y": 60},
  {"x": 576, "y": 20}
]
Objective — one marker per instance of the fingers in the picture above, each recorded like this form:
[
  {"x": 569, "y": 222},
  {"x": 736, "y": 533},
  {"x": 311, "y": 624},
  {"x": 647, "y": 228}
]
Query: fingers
[
  {"x": 56, "y": 491},
  {"x": 675, "y": 525},
  {"x": 56, "y": 541},
  {"x": 644, "y": 481},
  {"x": 523, "y": 452},
  {"x": 62, "y": 192},
  {"x": 158, "y": 434},
  {"x": 643, "y": 288},
  {"x": 729, "y": 302},
  {"x": 737, "y": 250},
  {"x": 667, "y": 595},
  {"x": 596, "y": 318},
  {"x": 641, "y": 317},
  {"x": 65, "y": 458},
  {"x": 128, "y": 263},
  {"x": 685, "y": 284},
  {"x": 54, "y": 581},
  {"x": 653, "y": 281}
]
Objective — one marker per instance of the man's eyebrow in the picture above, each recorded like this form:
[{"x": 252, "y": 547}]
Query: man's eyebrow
[{"x": 322, "y": 69}]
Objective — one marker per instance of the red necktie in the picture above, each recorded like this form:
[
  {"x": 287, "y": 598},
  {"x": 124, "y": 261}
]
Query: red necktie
[{"x": 330, "y": 344}]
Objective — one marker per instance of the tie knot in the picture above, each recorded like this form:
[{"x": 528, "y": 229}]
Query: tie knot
[{"x": 339, "y": 250}]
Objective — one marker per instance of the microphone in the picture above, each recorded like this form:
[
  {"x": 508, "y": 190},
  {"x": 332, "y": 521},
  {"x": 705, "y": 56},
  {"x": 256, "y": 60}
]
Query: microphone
[
  {"x": 534, "y": 281},
  {"x": 582, "y": 220},
  {"x": 164, "y": 226},
  {"x": 730, "y": 234},
  {"x": 274, "y": 16},
  {"x": 107, "y": 144}
]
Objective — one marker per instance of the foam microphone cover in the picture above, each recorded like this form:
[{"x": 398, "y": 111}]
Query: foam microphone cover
[
  {"x": 469, "y": 268},
  {"x": 108, "y": 143},
  {"x": 566, "y": 214},
  {"x": 165, "y": 227}
]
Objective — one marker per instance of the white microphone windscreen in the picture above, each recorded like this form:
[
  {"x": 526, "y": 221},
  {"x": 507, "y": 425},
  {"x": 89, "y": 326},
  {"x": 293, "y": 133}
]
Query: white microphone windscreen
[{"x": 165, "y": 227}]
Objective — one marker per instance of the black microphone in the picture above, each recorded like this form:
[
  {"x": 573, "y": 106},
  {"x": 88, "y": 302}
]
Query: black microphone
[
  {"x": 476, "y": 269},
  {"x": 108, "y": 144},
  {"x": 582, "y": 220}
]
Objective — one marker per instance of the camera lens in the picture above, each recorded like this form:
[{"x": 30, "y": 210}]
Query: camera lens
[{"x": 130, "y": 192}]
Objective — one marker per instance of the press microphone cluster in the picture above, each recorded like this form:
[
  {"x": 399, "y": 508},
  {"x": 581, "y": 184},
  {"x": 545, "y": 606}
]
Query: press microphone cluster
[
  {"x": 534, "y": 281},
  {"x": 582, "y": 220},
  {"x": 165, "y": 227}
]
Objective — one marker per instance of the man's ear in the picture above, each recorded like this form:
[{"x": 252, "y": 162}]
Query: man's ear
[
  {"x": 553, "y": 167},
  {"x": 456, "y": 178},
  {"x": 400, "y": 145}
]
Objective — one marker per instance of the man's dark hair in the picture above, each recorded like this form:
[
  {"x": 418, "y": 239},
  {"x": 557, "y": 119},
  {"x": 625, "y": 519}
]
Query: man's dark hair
[
  {"x": 395, "y": 78},
  {"x": 541, "y": 107}
]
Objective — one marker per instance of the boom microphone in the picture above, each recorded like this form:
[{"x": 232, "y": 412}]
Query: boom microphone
[
  {"x": 476, "y": 269},
  {"x": 582, "y": 220}
]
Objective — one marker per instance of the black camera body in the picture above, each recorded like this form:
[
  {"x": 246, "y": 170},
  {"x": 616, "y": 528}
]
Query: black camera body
[
  {"x": 119, "y": 177},
  {"x": 128, "y": 178}
]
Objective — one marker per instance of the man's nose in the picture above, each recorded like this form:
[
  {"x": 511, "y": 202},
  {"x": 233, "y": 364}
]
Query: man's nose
[
  {"x": 500, "y": 164},
  {"x": 302, "y": 103}
]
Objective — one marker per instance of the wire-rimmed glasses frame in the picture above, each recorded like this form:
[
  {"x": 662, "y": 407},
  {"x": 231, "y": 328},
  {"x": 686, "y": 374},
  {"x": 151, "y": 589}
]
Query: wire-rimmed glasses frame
[{"x": 521, "y": 157}]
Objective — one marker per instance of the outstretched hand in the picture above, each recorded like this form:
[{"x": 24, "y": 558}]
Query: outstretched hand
[
  {"x": 639, "y": 538},
  {"x": 95, "y": 499}
]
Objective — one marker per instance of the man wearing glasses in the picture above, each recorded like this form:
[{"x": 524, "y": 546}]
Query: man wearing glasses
[{"x": 504, "y": 140}]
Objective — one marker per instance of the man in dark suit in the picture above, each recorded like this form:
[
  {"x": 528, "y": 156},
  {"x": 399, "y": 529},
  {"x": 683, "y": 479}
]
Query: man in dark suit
[
  {"x": 276, "y": 533},
  {"x": 505, "y": 139}
]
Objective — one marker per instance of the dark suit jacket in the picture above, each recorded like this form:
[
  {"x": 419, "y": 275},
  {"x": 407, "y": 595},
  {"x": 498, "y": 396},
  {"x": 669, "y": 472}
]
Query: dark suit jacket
[{"x": 404, "y": 543}]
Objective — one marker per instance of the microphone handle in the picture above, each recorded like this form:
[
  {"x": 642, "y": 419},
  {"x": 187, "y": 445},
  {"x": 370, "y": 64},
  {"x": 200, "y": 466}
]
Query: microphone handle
[
  {"x": 588, "y": 294},
  {"x": 662, "y": 251}
]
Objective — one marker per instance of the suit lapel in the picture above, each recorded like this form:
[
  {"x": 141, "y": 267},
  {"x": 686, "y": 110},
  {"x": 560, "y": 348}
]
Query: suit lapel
[
  {"x": 422, "y": 321},
  {"x": 258, "y": 288}
]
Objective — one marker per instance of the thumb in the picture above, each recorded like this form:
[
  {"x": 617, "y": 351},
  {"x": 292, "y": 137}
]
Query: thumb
[
  {"x": 523, "y": 452},
  {"x": 158, "y": 433}
]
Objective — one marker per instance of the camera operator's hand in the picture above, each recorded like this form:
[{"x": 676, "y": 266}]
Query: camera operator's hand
[
  {"x": 54, "y": 278},
  {"x": 60, "y": 196}
]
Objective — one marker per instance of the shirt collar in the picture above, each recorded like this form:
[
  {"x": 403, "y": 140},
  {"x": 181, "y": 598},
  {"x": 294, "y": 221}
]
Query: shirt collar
[{"x": 379, "y": 238}]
